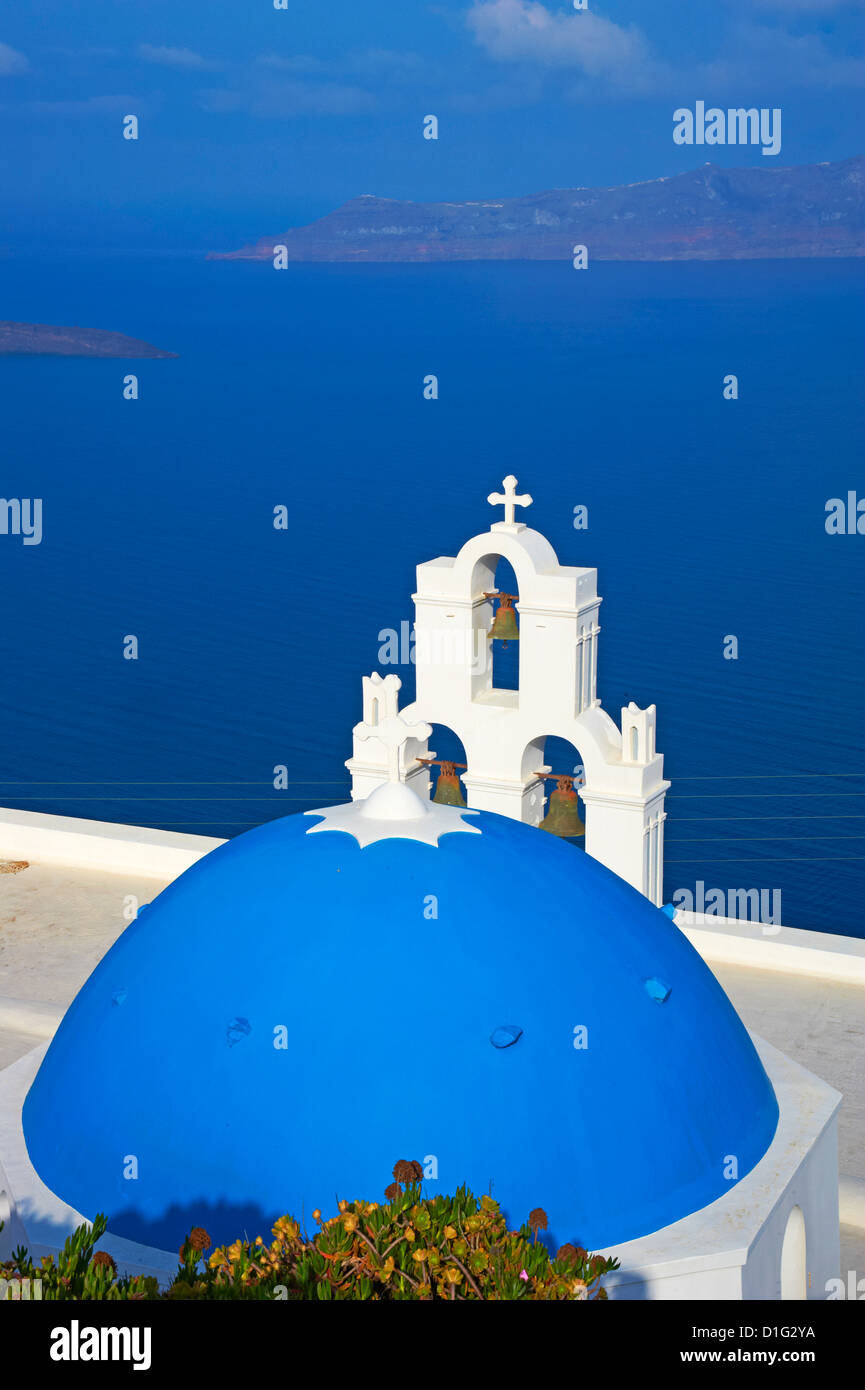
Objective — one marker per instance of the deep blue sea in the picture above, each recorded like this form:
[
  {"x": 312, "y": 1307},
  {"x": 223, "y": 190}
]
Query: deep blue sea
[{"x": 304, "y": 388}]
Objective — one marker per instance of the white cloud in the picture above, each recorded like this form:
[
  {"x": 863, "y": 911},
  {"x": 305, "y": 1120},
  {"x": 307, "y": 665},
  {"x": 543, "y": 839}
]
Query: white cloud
[
  {"x": 373, "y": 65},
  {"x": 174, "y": 57},
  {"x": 804, "y": 6},
  {"x": 11, "y": 61},
  {"x": 760, "y": 55},
  {"x": 300, "y": 63},
  {"x": 601, "y": 54},
  {"x": 291, "y": 98},
  {"x": 526, "y": 31},
  {"x": 118, "y": 104}
]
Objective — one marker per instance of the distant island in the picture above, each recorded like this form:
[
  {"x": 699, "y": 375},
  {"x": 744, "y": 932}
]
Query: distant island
[
  {"x": 708, "y": 214},
  {"x": 45, "y": 339}
]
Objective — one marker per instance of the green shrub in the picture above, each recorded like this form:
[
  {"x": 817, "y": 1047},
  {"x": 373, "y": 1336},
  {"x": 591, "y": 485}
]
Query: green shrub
[{"x": 411, "y": 1247}]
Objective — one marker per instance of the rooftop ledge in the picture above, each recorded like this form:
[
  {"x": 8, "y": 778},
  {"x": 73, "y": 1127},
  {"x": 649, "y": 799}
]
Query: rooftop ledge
[
  {"x": 94, "y": 844},
  {"x": 819, "y": 955}
]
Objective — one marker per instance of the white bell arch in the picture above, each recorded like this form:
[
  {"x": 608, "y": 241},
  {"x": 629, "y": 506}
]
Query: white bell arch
[{"x": 558, "y": 611}]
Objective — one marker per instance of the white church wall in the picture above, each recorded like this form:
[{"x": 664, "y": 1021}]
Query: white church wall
[
  {"x": 732, "y": 1248},
  {"x": 13, "y": 1233},
  {"x": 812, "y": 1193}
]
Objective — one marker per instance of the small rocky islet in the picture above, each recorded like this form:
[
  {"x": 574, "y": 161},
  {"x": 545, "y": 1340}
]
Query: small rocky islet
[{"x": 44, "y": 339}]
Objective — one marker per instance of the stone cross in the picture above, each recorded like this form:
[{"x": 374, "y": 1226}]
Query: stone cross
[
  {"x": 394, "y": 733},
  {"x": 509, "y": 498}
]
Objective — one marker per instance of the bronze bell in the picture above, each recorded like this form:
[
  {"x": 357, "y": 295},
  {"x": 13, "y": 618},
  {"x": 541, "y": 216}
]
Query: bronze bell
[
  {"x": 505, "y": 622},
  {"x": 563, "y": 812},
  {"x": 448, "y": 789}
]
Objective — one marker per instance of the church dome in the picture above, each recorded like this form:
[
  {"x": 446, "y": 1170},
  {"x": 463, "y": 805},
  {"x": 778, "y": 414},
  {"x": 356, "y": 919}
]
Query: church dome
[{"x": 299, "y": 1010}]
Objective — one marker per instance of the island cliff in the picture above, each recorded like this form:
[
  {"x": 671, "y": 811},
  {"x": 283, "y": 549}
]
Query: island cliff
[
  {"x": 706, "y": 214},
  {"x": 45, "y": 339}
]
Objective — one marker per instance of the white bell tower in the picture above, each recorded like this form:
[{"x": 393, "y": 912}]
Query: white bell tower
[{"x": 504, "y": 731}]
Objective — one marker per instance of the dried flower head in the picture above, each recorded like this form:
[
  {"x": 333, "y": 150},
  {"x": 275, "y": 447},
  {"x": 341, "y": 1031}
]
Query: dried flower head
[
  {"x": 392, "y": 1191},
  {"x": 198, "y": 1239},
  {"x": 568, "y": 1253},
  {"x": 407, "y": 1170},
  {"x": 538, "y": 1220},
  {"x": 103, "y": 1259}
]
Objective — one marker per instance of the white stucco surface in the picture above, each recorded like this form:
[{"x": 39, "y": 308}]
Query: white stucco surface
[
  {"x": 56, "y": 923},
  {"x": 821, "y": 1025}
]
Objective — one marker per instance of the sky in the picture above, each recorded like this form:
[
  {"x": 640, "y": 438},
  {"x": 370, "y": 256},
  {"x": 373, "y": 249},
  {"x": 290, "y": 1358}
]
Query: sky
[{"x": 253, "y": 119}]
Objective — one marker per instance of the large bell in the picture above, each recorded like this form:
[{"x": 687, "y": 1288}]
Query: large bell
[
  {"x": 505, "y": 622},
  {"x": 563, "y": 813},
  {"x": 448, "y": 789}
]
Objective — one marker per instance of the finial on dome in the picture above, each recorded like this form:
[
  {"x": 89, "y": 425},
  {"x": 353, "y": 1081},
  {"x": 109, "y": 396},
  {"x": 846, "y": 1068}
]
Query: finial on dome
[
  {"x": 393, "y": 810},
  {"x": 394, "y": 733},
  {"x": 510, "y": 501}
]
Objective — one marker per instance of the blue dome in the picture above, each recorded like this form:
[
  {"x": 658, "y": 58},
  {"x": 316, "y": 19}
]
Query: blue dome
[{"x": 295, "y": 1013}]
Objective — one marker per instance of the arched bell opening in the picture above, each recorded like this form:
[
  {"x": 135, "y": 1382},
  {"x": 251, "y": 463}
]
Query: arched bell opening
[
  {"x": 501, "y": 627},
  {"x": 447, "y": 762},
  {"x": 559, "y": 767}
]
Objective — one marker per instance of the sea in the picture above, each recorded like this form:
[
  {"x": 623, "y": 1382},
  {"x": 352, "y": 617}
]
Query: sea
[{"x": 601, "y": 389}]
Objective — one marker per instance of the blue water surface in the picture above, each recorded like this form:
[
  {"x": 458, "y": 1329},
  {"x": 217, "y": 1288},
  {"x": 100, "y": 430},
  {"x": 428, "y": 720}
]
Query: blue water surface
[{"x": 304, "y": 388}]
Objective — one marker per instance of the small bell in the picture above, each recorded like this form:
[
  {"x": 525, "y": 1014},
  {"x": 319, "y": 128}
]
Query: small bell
[
  {"x": 505, "y": 622},
  {"x": 448, "y": 789},
  {"x": 563, "y": 813}
]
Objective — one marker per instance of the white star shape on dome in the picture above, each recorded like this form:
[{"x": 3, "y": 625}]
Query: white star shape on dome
[{"x": 393, "y": 811}]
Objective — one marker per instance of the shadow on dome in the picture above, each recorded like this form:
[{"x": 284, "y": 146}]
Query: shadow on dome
[{"x": 224, "y": 1222}]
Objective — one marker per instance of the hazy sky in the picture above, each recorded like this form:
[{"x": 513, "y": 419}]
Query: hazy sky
[{"x": 253, "y": 118}]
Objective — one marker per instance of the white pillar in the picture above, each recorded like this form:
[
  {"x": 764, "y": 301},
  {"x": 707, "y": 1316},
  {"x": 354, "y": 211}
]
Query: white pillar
[
  {"x": 625, "y": 832},
  {"x": 579, "y": 681}
]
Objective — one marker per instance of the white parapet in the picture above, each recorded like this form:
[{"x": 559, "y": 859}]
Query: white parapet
[
  {"x": 94, "y": 844},
  {"x": 775, "y": 1235},
  {"x": 760, "y": 946}
]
